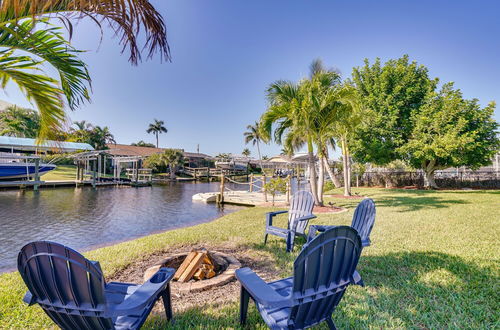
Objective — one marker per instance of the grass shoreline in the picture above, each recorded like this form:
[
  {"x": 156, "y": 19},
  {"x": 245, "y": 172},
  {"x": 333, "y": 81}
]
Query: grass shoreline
[{"x": 434, "y": 263}]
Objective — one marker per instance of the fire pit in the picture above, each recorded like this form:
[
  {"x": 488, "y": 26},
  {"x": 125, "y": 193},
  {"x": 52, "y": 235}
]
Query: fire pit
[{"x": 198, "y": 270}]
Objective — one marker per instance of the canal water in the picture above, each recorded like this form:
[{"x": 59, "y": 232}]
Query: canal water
[{"x": 83, "y": 218}]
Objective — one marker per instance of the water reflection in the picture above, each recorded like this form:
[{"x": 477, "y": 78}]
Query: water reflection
[{"x": 84, "y": 217}]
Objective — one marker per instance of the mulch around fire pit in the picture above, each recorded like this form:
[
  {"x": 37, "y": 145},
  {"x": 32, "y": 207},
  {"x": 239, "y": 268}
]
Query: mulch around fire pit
[
  {"x": 317, "y": 209},
  {"x": 258, "y": 261},
  {"x": 346, "y": 197}
]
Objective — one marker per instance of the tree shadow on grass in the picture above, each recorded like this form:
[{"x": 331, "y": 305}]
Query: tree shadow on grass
[
  {"x": 403, "y": 290},
  {"x": 415, "y": 203},
  {"x": 431, "y": 289}
]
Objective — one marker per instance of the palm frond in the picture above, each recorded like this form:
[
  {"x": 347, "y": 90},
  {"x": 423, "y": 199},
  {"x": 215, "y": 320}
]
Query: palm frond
[
  {"x": 40, "y": 89},
  {"x": 127, "y": 18},
  {"x": 49, "y": 44}
]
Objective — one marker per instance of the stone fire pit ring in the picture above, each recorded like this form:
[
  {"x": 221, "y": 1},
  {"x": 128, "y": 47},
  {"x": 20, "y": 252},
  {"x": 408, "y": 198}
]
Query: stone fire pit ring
[{"x": 226, "y": 276}]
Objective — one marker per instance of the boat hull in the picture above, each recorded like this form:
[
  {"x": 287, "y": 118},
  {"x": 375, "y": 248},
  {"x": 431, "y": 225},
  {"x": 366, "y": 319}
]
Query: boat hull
[{"x": 10, "y": 171}]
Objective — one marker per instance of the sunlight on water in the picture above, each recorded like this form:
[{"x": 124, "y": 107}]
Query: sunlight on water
[{"x": 82, "y": 218}]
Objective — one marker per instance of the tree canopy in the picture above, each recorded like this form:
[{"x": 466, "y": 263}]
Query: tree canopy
[
  {"x": 450, "y": 131},
  {"x": 410, "y": 120},
  {"x": 392, "y": 93}
]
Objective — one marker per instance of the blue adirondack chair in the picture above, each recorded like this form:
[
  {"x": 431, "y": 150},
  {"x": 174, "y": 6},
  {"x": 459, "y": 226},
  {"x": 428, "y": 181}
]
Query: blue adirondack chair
[
  {"x": 299, "y": 214},
  {"x": 324, "y": 269},
  {"x": 362, "y": 220},
  {"x": 73, "y": 292}
]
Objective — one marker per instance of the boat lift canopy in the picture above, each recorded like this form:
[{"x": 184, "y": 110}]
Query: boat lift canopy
[{"x": 26, "y": 145}]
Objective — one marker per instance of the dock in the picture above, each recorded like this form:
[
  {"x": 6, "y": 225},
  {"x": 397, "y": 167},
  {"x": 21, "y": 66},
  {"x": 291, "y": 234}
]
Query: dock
[
  {"x": 68, "y": 183},
  {"x": 239, "y": 197}
]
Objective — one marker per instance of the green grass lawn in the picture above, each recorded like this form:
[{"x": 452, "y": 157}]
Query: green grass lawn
[
  {"x": 433, "y": 263},
  {"x": 62, "y": 172}
]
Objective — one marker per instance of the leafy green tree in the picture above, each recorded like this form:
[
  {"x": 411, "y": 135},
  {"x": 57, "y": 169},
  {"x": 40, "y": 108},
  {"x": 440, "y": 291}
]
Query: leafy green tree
[
  {"x": 29, "y": 43},
  {"x": 450, "y": 131},
  {"x": 141, "y": 143},
  {"x": 19, "y": 122},
  {"x": 255, "y": 135},
  {"x": 157, "y": 128},
  {"x": 275, "y": 186},
  {"x": 392, "y": 92},
  {"x": 173, "y": 158},
  {"x": 155, "y": 163},
  {"x": 246, "y": 152}
]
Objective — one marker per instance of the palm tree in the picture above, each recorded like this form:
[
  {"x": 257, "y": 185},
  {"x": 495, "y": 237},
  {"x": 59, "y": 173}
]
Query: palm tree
[
  {"x": 255, "y": 135},
  {"x": 19, "y": 122},
  {"x": 142, "y": 143},
  {"x": 157, "y": 128},
  {"x": 172, "y": 158},
  {"x": 246, "y": 152},
  {"x": 349, "y": 118},
  {"x": 28, "y": 41},
  {"x": 104, "y": 134},
  {"x": 223, "y": 157},
  {"x": 81, "y": 132},
  {"x": 295, "y": 109},
  {"x": 339, "y": 121},
  {"x": 82, "y": 125}
]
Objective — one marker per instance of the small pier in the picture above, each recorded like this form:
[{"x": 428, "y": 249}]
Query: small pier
[
  {"x": 254, "y": 196},
  {"x": 238, "y": 197}
]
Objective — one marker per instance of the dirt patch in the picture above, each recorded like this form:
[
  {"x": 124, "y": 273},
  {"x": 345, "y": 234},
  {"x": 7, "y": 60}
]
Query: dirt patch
[
  {"x": 328, "y": 209},
  {"x": 346, "y": 197},
  {"x": 317, "y": 209},
  {"x": 258, "y": 261}
]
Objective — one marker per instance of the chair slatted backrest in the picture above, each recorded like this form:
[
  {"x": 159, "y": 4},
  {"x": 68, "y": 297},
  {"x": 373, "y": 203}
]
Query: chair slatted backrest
[
  {"x": 301, "y": 205},
  {"x": 322, "y": 272},
  {"x": 364, "y": 219},
  {"x": 68, "y": 287}
]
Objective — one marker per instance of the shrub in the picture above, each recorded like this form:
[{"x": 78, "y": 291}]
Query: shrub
[{"x": 276, "y": 185}]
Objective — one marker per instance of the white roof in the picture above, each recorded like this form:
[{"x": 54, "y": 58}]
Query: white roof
[{"x": 26, "y": 144}]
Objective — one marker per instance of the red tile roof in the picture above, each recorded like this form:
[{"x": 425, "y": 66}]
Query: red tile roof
[{"x": 128, "y": 150}]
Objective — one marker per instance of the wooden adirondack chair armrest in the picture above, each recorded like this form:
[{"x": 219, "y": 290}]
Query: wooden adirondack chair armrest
[
  {"x": 270, "y": 215},
  {"x": 141, "y": 297},
  {"x": 356, "y": 279},
  {"x": 259, "y": 290},
  {"x": 304, "y": 218},
  {"x": 314, "y": 229}
]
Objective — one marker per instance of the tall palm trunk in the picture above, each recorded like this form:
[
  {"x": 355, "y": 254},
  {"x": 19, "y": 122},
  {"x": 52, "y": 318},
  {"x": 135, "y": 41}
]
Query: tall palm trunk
[
  {"x": 333, "y": 177},
  {"x": 312, "y": 171},
  {"x": 321, "y": 180},
  {"x": 260, "y": 157},
  {"x": 156, "y": 139},
  {"x": 345, "y": 159}
]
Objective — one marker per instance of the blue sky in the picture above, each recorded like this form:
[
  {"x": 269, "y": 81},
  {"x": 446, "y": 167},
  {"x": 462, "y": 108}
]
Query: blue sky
[{"x": 225, "y": 53}]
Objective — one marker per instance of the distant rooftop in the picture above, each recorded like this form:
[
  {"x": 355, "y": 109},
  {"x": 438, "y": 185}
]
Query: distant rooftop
[
  {"x": 128, "y": 150},
  {"x": 4, "y": 105},
  {"x": 15, "y": 144}
]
